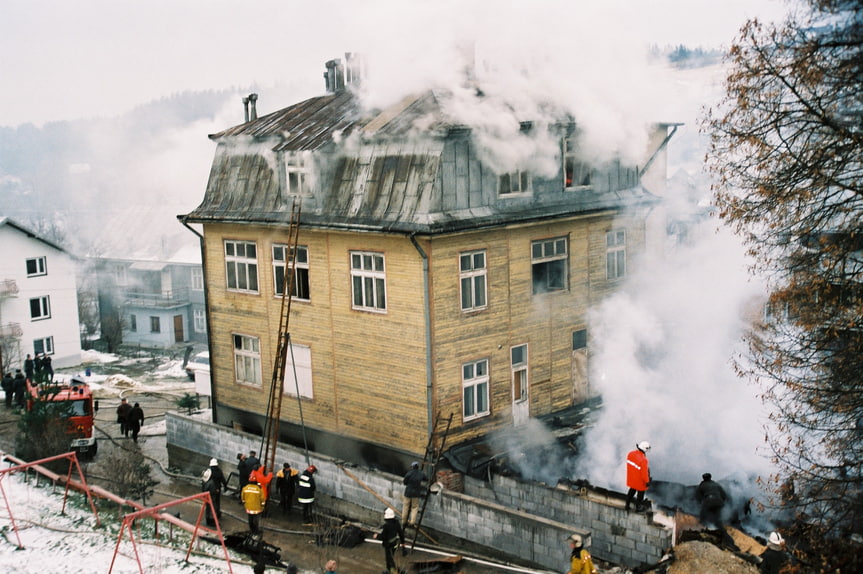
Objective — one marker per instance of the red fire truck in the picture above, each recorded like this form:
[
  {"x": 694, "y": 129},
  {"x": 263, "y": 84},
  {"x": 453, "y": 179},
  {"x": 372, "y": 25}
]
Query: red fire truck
[{"x": 78, "y": 407}]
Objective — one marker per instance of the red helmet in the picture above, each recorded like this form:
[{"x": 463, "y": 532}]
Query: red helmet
[{"x": 312, "y": 468}]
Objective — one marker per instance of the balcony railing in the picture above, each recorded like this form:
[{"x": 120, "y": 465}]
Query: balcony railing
[
  {"x": 161, "y": 299},
  {"x": 8, "y": 288},
  {"x": 11, "y": 331}
]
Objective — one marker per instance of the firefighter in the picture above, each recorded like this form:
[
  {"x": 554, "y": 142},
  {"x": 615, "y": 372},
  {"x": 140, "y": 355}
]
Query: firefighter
[
  {"x": 413, "y": 482},
  {"x": 253, "y": 502},
  {"x": 263, "y": 478},
  {"x": 637, "y": 475},
  {"x": 712, "y": 497},
  {"x": 306, "y": 492},
  {"x": 775, "y": 558},
  {"x": 580, "y": 561},
  {"x": 391, "y": 536},
  {"x": 20, "y": 388}
]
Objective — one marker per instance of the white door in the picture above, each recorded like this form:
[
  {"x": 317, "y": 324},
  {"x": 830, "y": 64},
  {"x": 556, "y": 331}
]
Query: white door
[{"x": 520, "y": 386}]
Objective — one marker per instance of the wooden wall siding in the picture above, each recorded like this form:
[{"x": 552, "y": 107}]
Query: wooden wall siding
[
  {"x": 514, "y": 316},
  {"x": 367, "y": 367}
]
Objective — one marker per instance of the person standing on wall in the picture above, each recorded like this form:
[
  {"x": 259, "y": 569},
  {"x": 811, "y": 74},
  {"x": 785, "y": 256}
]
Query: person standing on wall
[
  {"x": 47, "y": 368},
  {"x": 391, "y": 536},
  {"x": 135, "y": 420},
  {"x": 712, "y": 497},
  {"x": 580, "y": 561},
  {"x": 413, "y": 482},
  {"x": 306, "y": 492},
  {"x": 122, "y": 414},
  {"x": 637, "y": 476}
]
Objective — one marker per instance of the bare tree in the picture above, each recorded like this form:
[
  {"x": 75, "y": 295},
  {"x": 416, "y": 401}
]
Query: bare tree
[{"x": 787, "y": 153}]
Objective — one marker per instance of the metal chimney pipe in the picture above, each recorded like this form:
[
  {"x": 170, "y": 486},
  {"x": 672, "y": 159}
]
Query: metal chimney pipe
[
  {"x": 246, "y": 109},
  {"x": 254, "y": 112}
]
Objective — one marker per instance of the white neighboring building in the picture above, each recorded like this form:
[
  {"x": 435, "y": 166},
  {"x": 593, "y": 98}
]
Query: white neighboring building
[{"x": 38, "y": 299}]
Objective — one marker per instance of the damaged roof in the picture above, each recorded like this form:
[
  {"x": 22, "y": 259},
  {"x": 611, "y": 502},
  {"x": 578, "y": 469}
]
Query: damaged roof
[{"x": 403, "y": 169}]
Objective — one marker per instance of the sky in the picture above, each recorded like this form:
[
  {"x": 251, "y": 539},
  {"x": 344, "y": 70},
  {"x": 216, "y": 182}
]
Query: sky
[{"x": 69, "y": 59}]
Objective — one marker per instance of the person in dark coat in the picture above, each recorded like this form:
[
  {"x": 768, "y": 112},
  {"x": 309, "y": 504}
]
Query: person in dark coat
[
  {"x": 47, "y": 368},
  {"x": 243, "y": 470},
  {"x": 306, "y": 492},
  {"x": 29, "y": 367},
  {"x": 19, "y": 387},
  {"x": 8, "y": 389},
  {"x": 712, "y": 497},
  {"x": 286, "y": 484},
  {"x": 122, "y": 414},
  {"x": 391, "y": 536},
  {"x": 252, "y": 461},
  {"x": 135, "y": 420},
  {"x": 218, "y": 483},
  {"x": 413, "y": 482}
]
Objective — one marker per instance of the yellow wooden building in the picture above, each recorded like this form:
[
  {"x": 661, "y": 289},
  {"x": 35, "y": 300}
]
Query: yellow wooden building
[{"x": 425, "y": 282}]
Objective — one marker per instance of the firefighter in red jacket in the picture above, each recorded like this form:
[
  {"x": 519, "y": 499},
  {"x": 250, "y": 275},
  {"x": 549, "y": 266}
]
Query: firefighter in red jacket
[{"x": 637, "y": 475}]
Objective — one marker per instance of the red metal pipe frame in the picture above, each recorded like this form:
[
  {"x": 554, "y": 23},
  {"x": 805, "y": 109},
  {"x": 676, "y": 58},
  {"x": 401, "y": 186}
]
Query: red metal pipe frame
[
  {"x": 155, "y": 512},
  {"x": 37, "y": 465}
]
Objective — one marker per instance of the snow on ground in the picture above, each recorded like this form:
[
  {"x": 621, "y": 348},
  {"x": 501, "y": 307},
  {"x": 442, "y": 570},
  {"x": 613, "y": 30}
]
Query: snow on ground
[{"x": 72, "y": 543}]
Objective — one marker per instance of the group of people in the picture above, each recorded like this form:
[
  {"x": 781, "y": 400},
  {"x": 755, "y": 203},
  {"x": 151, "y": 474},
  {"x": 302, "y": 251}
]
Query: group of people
[
  {"x": 130, "y": 418},
  {"x": 255, "y": 488},
  {"x": 711, "y": 497},
  {"x": 39, "y": 368},
  {"x": 15, "y": 389}
]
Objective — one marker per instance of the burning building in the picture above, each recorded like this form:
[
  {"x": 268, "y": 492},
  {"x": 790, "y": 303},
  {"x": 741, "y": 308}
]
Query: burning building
[{"x": 431, "y": 279}]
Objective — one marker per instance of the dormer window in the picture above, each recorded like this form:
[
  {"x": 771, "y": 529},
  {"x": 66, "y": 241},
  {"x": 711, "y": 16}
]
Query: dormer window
[
  {"x": 514, "y": 182},
  {"x": 576, "y": 173},
  {"x": 296, "y": 173}
]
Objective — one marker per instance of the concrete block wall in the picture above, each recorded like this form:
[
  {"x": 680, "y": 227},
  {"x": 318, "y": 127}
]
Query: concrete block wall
[
  {"x": 618, "y": 536},
  {"x": 518, "y": 520}
]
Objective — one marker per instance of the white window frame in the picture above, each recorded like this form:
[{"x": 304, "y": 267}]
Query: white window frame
[
  {"x": 546, "y": 253},
  {"x": 197, "y": 278},
  {"x": 297, "y": 173},
  {"x": 241, "y": 269},
  {"x": 475, "y": 391},
  {"x": 39, "y": 263},
  {"x": 247, "y": 359},
  {"x": 120, "y": 273},
  {"x": 47, "y": 346},
  {"x": 155, "y": 324},
  {"x": 516, "y": 182},
  {"x": 518, "y": 367},
  {"x": 301, "y": 356},
  {"x": 473, "y": 280},
  {"x": 199, "y": 320},
  {"x": 368, "y": 281},
  {"x": 300, "y": 288},
  {"x": 133, "y": 323},
  {"x": 615, "y": 254},
  {"x": 581, "y": 177},
  {"x": 44, "y": 308}
]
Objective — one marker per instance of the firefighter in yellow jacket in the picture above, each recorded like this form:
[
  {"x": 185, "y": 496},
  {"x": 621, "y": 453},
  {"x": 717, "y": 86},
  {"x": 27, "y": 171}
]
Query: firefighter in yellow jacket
[
  {"x": 580, "y": 561},
  {"x": 252, "y": 496}
]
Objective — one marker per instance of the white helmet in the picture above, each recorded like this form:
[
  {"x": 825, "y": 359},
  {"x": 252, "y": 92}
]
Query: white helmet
[
  {"x": 389, "y": 513},
  {"x": 775, "y": 539},
  {"x": 214, "y": 462},
  {"x": 643, "y": 446},
  {"x": 576, "y": 539}
]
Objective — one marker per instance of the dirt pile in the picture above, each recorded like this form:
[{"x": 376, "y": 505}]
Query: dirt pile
[{"x": 698, "y": 557}]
